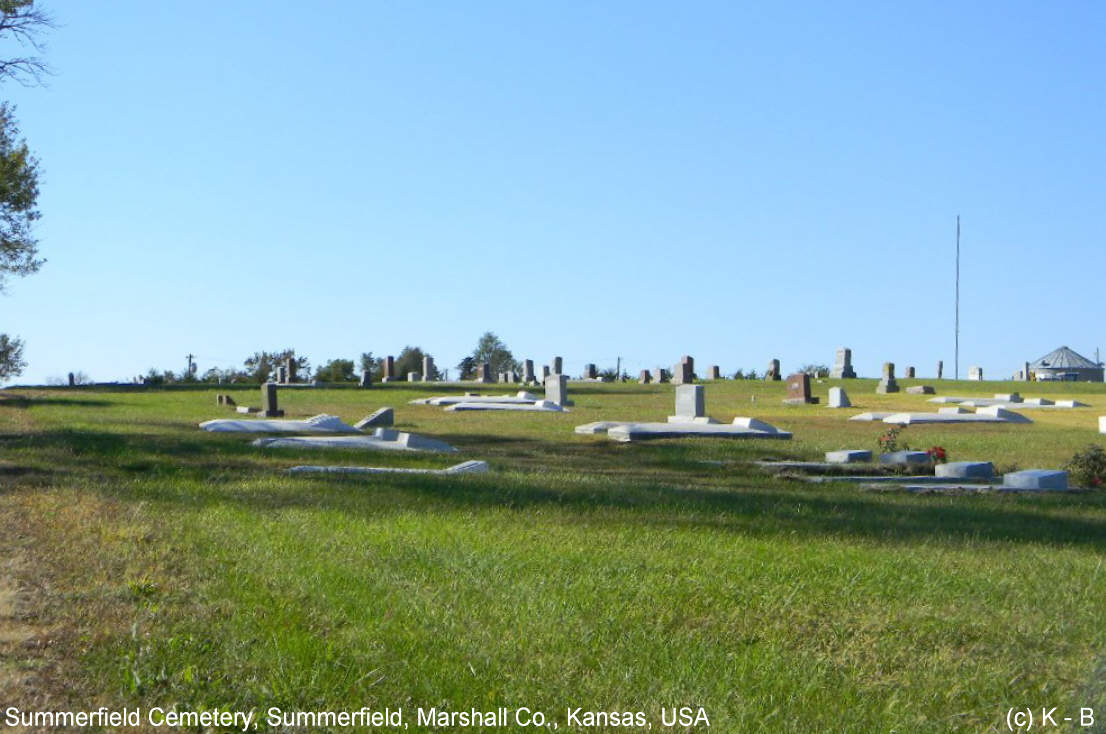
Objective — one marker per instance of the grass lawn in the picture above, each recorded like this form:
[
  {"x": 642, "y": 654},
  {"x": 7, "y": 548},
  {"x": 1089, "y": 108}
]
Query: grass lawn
[{"x": 148, "y": 563}]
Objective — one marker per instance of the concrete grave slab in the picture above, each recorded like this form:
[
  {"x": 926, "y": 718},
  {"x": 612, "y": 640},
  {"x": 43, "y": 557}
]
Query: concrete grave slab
[
  {"x": 991, "y": 414},
  {"x": 521, "y": 396},
  {"x": 921, "y": 390},
  {"x": 848, "y": 456},
  {"x": 321, "y": 423},
  {"x": 740, "y": 428},
  {"x": 591, "y": 429},
  {"x": 377, "y": 419},
  {"x": 905, "y": 457},
  {"x": 465, "y": 467},
  {"x": 1036, "y": 479},
  {"x": 869, "y": 417},
  {"x": 965, "y": 470},
  {"x": 383, "y": 439},
  {"x": 541, "y": 406}
]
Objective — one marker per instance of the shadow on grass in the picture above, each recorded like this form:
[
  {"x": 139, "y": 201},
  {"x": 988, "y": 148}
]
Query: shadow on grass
[
  {"x": 25, "y": 401},
  {"x": 216, "y": 472}
]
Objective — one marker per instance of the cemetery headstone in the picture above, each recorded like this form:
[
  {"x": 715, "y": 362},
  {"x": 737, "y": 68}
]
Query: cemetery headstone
[
  {"x": 838, "y": 398},
  {"x": 290, "y": 369},
  {"x": 940, "y": 370},
  {"x": 715, "y": 372},
  {"x": 556, "y": 389},
  {"x": 378, "y": 419},
  {"x": 689, "y": 402},
  {"x": 366, "y": 378},
  {"x": 921, "y": 390},
  {"x": 887, "y": 383},
  {"x": 798, "y": 389},
  {"x": 1026, "y": 373},
  {"x": 909, "y": 374},
  {"x": 389, "y": 369},
  {"x": 72, "y": 379},
  {"x": 558, "y": 366},
  {"x": 412, "y": 376},
  {"x": 427, "y": 368},
  {"x": 484, "y": 372},
  {"x": 528, "y": 371},
  {"x": 269, "y": 406},
  {"x": 590, "y": 372},
  {"x": 645, "y": 377},
  {"x": 975, "y": 373},
  {"x": 684, "y": 371},
  {"x": 544, "y": 373},
  {"x": 773, "y": 371},
  {"x": 843, "y": 365}
]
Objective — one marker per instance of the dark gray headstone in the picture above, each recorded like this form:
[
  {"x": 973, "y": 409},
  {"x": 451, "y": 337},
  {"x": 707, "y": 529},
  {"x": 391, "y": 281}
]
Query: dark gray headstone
[
  {"x": 389, "y": 369},
  {"x": 269, "y": 401},
  {"x": 366, "y": 378}
]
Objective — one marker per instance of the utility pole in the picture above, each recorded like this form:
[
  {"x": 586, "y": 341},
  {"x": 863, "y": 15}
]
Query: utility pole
[
  {"x": 618, "y": 371},
  {"x": 956, "y": 363}
]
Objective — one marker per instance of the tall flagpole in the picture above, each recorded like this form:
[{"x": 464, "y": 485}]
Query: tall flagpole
[{"x": 956, "y": 367}]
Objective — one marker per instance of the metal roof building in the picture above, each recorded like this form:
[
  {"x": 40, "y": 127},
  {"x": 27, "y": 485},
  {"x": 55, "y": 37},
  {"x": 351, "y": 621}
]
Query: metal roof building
[{"x": 1064, "y": 364}]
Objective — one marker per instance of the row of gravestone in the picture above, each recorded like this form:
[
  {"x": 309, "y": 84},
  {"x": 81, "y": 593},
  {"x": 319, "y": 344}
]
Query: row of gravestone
[
  {"x": 683, "y": 372},
  {"x": 843, "y": 369},
  {"x": 483, "y": 372}
]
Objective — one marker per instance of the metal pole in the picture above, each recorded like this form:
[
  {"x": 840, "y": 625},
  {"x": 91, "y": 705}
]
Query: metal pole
[{"x": 956, "y": 363}]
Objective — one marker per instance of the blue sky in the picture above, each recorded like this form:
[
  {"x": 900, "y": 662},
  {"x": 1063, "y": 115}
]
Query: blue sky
[{"x": 594, "y": 180}]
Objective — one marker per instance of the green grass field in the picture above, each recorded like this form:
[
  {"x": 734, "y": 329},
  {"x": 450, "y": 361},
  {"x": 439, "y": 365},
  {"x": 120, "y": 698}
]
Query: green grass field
[{"x": 149, "y": 563}]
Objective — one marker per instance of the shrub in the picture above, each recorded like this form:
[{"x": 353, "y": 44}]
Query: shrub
[
  {"x": 1088, "y": 467},
  {"x": 889, "y": 440}
]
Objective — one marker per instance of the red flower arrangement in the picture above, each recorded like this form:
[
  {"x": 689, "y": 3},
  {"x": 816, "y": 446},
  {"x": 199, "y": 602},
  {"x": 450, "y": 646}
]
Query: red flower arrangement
[{"x": 938, "y": 455}]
